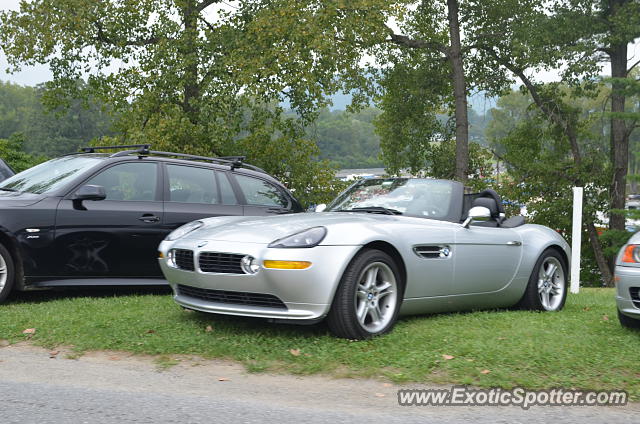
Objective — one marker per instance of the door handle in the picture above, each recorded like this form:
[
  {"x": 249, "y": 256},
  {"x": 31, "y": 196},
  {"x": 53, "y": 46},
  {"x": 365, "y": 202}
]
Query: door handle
[
  {"x": 149, "y": 217},
  {"x": 277, "y": 210},
  {"x": 514, "y": 243}
]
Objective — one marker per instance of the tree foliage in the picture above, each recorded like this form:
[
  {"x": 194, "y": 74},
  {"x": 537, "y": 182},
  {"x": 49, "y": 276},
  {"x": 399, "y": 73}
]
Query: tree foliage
[
  {"x": 348, "y": 140},
  {"x": 182, "y": 74},
  {"x": 542, "y": 170},
  {"x": 12, "y": 152},
  {"x": 50, "y": 132}
]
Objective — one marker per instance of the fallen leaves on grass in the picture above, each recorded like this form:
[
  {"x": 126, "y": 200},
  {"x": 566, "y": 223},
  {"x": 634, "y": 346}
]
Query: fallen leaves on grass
[
  {"x": 447, "y": 357},
  {"x": 208, "y": 329},
  {"x": 29, "y": 332},
  {"x": 605, "y": 317},
  {"x": 53, "y": 354},
  {"x": 294, "y": 352},
  {"x": 485, "y": 372}
]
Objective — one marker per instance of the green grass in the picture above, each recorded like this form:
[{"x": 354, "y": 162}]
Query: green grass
[{"x": 583, "y": 346}]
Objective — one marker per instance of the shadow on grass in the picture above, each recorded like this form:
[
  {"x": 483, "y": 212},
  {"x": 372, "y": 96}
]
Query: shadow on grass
[
  {"x": 46, "y": 295},
  {"x": 249, "y": 325},
  {"x": 263, "y": 326}
]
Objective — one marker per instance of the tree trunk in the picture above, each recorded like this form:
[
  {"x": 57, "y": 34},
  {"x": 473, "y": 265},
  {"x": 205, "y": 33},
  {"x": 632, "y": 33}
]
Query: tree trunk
[
  {"x": 460, "y": 93},
  {"x": 189, "y": 54},
  {"x": 619, "y": 136},
  {"x": 601, "y": 260}
]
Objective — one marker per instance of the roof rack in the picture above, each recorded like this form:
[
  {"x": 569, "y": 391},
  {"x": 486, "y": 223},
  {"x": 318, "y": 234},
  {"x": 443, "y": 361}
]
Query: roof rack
[
  {"x": 139, "y": 147},
  {"x": 144, "y": 150}
]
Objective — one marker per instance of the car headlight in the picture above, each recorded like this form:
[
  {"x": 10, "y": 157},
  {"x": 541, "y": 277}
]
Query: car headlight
[
  {"x": 249, "y": 265},
  {"x": 307, "y": 238},
  {"x": 631, "y": 254},
  {"x": 171, "y": 259},
  {"x": 184, "y": 230}
]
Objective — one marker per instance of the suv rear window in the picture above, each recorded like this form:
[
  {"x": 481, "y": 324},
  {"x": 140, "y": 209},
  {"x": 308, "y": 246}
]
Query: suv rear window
[
  {"x": 189, "y": 184},
  {"x": 261, "y": 193}
]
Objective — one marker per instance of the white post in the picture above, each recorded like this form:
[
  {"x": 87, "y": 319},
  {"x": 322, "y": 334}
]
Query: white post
[{"x": 576, "y": 239}]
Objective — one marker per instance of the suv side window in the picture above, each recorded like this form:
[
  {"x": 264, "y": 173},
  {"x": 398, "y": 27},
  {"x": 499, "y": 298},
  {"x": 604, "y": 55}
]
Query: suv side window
[
  {"x": 261, "y": 193},
  {"x": 188, "y": 184},
  {"x": 129, "y": 181}
]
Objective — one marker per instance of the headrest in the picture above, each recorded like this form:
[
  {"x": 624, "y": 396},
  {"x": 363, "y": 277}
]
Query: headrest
[
  {"x": 493, "y": 195},
  {"x": 488, "y": 203}
]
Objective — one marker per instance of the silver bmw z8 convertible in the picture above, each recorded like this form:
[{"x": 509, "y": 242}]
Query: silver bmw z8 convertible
[{"x": 383, "y": 248}]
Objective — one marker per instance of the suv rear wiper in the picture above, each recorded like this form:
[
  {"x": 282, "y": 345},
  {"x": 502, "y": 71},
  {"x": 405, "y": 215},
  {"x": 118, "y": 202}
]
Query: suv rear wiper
[{"x": 373, "y": 209}]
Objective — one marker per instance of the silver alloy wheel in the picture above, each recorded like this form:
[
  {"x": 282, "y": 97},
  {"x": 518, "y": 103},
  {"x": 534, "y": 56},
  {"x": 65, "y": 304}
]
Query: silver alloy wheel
[
  {"x": 3, "y": 273},
  {"x": 376, "y": 297},
  {"x": 551, "y": 283}
]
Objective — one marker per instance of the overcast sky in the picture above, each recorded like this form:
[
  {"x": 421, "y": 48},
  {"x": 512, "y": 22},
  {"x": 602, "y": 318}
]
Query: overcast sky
[
  {"x": 33, "y": 75},
  {"x": 29, "y": 75}
]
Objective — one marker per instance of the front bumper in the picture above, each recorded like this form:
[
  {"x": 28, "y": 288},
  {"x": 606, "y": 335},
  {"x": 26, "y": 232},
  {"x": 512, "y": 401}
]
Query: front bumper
[
  {"x": 627, "y": 278},
  {"x": 307, "y": 293}
]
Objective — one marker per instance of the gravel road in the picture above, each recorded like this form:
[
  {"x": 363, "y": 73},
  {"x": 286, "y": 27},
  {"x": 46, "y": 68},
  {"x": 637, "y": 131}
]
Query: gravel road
[{"x": 112, "y": 387}]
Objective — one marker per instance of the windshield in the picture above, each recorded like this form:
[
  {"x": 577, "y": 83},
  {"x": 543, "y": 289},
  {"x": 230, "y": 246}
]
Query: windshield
[
  {"x": 49, "y": 175},
  {"x": 415, "y": 197}
]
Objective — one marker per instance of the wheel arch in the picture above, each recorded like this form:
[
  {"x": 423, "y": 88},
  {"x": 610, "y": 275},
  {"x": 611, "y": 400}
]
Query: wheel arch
[
  {"x": 525, "y": 298},
  {"x": 11, "y": 244},
  {"x": 562, "y": 253},
  {"x": 390, "y": 250}
]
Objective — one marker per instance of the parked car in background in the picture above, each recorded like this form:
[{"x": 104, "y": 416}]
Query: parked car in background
[
  {"x": 627, "y": 276},
  {"x": 632, "y": 204},
  {"x": 5, "y": 170},
  {"x": 632, "y": 224},
  {"x": 384, "y": 247},
  {"x": 96, "y": 218}
]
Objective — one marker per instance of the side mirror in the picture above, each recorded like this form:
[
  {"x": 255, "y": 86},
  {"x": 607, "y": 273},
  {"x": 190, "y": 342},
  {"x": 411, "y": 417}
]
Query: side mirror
[
  {"x": 477, "y": 214},
  {"x": 90, "y": 192},
  {"x": 321, "y": 207}
]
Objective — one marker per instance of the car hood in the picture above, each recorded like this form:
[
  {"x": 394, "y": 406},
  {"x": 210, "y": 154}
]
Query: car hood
[
  {"x": 16, "y": 199},
  {"x": 265, "y": 229}
]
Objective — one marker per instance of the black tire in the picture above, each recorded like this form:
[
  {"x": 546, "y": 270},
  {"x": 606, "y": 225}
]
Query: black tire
[
  {"x": 342, "y": 319},
  {"x": 628, "y": 322},
  {"x": 10, "y": 274},
  {"x": 531, "y": 299}
]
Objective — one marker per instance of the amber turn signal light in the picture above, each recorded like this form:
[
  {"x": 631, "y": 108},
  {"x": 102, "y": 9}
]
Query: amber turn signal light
[
  {"x": 286, "y": 264},
  {"x": 631, "y": 254}
]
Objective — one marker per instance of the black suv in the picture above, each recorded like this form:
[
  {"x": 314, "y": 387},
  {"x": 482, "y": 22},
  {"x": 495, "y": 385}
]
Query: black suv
[{"x": 96, "y": 218}]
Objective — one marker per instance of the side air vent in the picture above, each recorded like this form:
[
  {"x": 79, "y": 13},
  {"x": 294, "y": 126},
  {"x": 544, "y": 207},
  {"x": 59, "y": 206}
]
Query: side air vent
[{"x": 433, "y": 251}]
